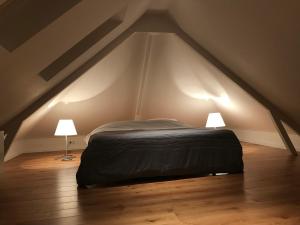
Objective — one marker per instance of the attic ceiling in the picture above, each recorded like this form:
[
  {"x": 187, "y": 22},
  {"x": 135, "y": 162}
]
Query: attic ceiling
[
  {"x": 258, "y": 40},
  {"x": 171, "y": 80},
  {"x": 21, "y": 19}
]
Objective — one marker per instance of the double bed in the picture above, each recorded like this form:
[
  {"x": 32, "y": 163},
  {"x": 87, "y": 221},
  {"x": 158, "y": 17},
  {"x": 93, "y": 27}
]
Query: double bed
[{"x": 157, "y": 148}]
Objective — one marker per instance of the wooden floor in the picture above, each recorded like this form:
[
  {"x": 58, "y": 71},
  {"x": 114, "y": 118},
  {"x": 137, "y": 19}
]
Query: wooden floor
[{"x": 35, "y": 189}]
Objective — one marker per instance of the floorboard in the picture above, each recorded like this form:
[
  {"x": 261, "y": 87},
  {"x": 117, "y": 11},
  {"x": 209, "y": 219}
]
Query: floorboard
[{"x": 37, "y": 189}]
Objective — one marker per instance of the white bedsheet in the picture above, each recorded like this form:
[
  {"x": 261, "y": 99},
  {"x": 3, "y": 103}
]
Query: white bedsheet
[{"x": 153, "y": 124}]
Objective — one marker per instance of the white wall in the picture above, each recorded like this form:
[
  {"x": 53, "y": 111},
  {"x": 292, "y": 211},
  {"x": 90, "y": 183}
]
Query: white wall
[
  {"x": 44, "y": 145},
  {"x": 266, "y": 138}
]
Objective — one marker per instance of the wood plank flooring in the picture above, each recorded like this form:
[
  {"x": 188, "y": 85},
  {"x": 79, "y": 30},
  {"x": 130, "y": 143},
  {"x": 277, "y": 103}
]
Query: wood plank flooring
[{"x": 36, "y": 189}]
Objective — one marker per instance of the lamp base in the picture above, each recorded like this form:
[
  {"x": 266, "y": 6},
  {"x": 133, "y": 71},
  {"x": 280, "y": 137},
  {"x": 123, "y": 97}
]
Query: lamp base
[{"x": 68, "y": 157}]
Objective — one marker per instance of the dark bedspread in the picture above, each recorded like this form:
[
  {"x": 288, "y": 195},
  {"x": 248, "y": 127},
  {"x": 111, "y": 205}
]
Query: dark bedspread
[{"x": 121, "y": 155}]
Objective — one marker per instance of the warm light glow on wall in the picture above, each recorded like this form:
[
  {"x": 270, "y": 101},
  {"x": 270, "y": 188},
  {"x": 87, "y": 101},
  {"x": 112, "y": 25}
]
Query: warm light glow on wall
[{"x": 223, "y": 100}]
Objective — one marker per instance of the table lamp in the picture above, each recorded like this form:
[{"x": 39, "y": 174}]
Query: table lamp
[
  {"x": 215, "y": 120},
  {"x": 66, "y": 128}
]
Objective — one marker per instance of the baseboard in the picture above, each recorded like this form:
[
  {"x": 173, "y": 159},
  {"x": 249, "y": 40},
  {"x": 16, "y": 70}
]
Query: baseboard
[
  {"x": 43, "y": 145},
  {"x": 271, "y": 139}
]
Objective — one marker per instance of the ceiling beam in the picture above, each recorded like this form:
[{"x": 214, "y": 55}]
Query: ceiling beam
[
  {"x": 79, "y": 48},
  {"x": 283, "y": 134},
  {"x": 144, "y": 77}
]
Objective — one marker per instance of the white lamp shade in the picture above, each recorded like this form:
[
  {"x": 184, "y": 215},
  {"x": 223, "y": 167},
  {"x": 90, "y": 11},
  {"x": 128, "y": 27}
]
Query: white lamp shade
[
  {"x": 65, "y": 128},
  {"x": 215, "y": 120}
]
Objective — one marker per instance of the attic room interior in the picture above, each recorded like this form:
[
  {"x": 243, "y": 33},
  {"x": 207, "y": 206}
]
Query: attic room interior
[{"x": 149, "y": 112}]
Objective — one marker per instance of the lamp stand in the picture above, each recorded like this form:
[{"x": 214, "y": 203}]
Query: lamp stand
[{"x": 67, "y": 157}]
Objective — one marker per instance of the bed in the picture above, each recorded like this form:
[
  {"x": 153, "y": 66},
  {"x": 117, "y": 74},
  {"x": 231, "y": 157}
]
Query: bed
[{"x": 156, "y": 148}]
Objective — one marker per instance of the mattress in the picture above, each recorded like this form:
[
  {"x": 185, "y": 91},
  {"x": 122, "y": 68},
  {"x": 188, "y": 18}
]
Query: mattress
[{"x": 160, "y": 151}]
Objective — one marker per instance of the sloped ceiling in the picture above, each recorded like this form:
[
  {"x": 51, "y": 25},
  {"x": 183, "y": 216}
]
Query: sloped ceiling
[
  {"x": 20, "y": 84},
  {"x": 21, "y": 19},
  {"x": 106, "y": 92},
  {"x": 179, "y": 83},
  {"x": 258, "y": 40},
  {"x": 182, "y": 84}
]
